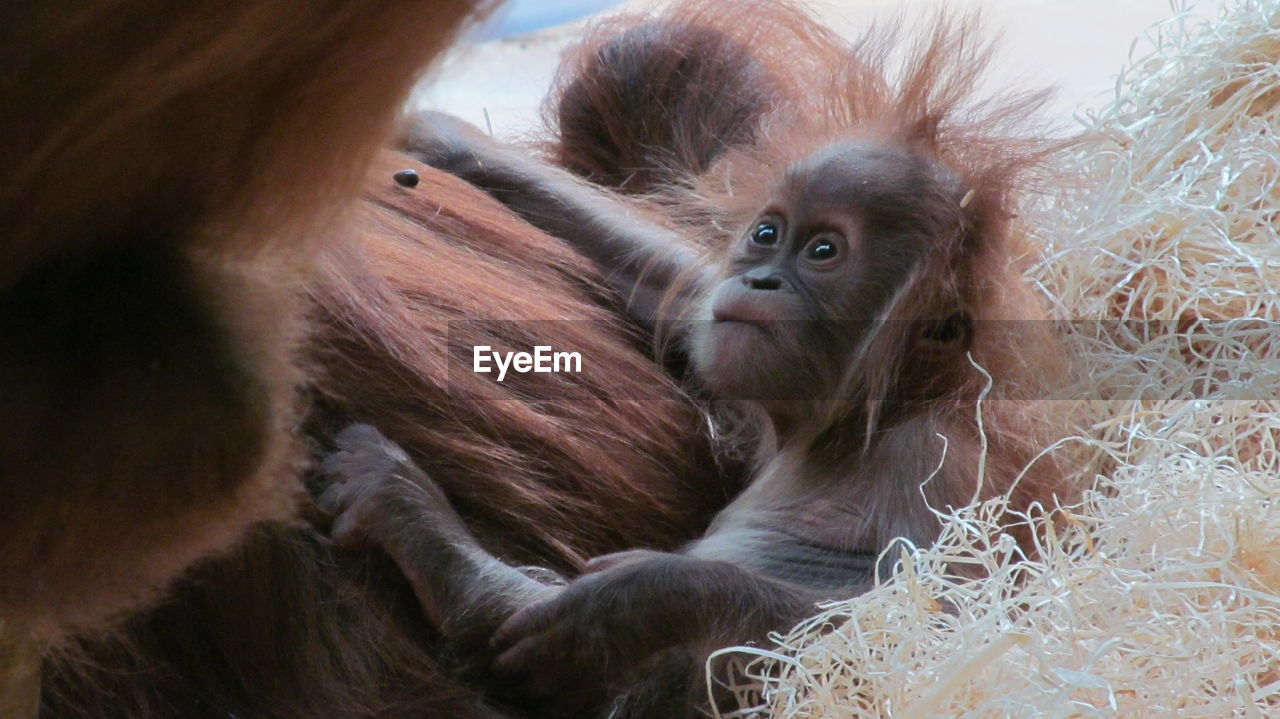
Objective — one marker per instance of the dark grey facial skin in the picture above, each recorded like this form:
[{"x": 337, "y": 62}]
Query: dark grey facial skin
[{"x": 820, "y": 262}]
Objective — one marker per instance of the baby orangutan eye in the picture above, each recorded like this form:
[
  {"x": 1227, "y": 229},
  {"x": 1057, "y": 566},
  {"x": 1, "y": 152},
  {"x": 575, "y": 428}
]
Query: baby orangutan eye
[
  {"x": 765, "y": 234},
  {"x": 822, "y": 250}
]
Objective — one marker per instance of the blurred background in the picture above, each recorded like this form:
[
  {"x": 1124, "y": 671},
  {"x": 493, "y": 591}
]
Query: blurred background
[{"x": 499, "y": 75}]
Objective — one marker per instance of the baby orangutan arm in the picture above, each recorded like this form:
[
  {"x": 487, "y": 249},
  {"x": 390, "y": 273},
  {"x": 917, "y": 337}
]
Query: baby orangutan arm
[
  {"x": 606, "y": 622},
  {"x": 640, "y": 258},
  {"x": 379, "y": 497},
  {"x": 575, "y": 644}
]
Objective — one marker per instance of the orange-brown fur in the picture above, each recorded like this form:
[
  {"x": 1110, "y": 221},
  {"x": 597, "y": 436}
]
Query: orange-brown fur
[
  {"x": 287, "y": 626},
  {"x": 630, "y": 451}
]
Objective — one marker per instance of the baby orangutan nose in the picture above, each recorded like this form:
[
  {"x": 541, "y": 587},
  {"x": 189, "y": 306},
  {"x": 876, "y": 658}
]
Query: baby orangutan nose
[{"x": 765, "y": 278}]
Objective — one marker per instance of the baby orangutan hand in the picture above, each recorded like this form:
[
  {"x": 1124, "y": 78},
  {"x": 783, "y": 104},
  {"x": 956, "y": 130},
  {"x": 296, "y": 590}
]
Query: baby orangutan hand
[
  {"x": 602, "y": 625},
  {"x": 376, "y": 491}
]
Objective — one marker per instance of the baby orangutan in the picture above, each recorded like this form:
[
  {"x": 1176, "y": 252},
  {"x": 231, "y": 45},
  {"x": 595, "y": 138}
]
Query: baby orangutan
[{"x": 853, "y": 306}]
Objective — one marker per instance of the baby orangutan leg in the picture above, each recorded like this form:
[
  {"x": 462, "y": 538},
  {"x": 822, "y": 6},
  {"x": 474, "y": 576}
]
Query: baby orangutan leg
[{"x": 379, "y": 497}]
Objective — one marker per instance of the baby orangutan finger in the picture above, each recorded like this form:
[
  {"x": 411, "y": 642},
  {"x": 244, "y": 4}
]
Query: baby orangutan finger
[
  {"x": 369, "y": 491},
  {"x": 529, "y": 620},
  {"x": 608, "y": 561},
  {"x": 358, "y": 435},
  {"x": 547, "y": 664},
  {"x": 341, "y": 500},
  {"x": 516, "y": 660}
]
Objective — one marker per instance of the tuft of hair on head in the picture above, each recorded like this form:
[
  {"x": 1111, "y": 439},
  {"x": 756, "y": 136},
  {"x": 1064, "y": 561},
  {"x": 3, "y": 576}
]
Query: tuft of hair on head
[{"x": 919, "y": 89}]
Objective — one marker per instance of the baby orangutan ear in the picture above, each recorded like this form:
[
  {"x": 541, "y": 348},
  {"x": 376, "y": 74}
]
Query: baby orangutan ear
[{"x": 954, "y": 331}]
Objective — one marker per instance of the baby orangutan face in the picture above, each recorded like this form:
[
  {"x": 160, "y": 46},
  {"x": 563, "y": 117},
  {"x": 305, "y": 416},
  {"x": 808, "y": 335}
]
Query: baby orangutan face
[{"x": 841, "y": 234}]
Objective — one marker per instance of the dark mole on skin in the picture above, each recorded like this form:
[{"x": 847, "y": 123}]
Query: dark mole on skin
[{"x": 406, "y": 178}]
